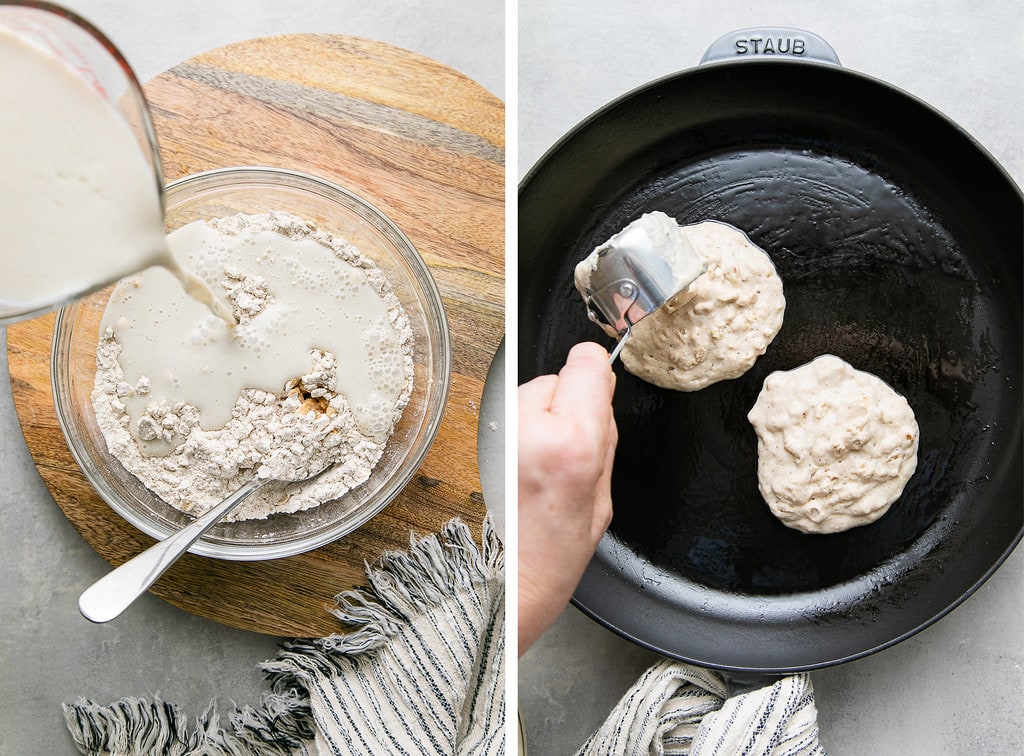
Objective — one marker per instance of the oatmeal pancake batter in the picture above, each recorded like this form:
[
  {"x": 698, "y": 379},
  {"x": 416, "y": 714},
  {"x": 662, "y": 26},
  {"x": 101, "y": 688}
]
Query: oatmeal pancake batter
[
  {"x": 726, "y": 321},
  {"x": 835, "y": 446}
]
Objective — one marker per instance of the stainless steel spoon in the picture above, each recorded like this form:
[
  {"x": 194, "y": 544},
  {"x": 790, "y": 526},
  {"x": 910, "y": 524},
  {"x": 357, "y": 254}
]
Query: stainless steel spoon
[{"x": 114, "y": 592}]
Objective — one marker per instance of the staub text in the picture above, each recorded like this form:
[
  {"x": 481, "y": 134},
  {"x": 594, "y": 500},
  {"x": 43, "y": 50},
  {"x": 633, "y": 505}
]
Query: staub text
[{"x": 770, "y": 46}]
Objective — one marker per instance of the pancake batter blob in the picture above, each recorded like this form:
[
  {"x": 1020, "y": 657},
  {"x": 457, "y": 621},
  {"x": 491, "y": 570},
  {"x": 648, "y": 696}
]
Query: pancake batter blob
[
  {"x": 835, "y": 446},
  {"x": 725, "y": 322}
]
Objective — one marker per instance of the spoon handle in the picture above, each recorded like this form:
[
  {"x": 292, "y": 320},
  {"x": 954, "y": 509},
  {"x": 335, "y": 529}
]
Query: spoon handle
[{"x": 115, "y": 591}]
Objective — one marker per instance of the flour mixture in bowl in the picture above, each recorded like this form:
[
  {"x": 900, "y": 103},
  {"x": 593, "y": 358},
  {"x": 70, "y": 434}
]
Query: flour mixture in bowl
[
  {"x": 725, "y": 322},
  {"x": 317, "y": 371},
  {"x": 835, "y": 446}
]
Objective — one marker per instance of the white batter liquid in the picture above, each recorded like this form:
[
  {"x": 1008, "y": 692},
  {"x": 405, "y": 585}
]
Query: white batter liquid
[
  {"x": 835, "y": 446},
  {"x": 306, "y": 297},
  {"x": 81, "y": 206}
]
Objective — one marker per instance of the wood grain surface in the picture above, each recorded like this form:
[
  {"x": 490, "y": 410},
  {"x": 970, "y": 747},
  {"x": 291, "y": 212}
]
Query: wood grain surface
[{"x": 425, "y": 145}]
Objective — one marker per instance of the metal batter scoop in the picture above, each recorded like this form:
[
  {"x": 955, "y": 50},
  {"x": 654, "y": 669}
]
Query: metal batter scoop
[{"x": 635, "y": 272}]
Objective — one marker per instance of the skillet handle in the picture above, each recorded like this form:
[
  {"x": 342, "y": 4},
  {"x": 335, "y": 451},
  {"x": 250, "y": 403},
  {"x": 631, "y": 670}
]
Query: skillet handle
[
  {"x": 769, "y": 42},
  {"x": 738, "y": 683}
]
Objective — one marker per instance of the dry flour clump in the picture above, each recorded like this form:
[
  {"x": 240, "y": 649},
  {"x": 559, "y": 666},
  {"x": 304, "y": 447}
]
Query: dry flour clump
[{"x": 317, "y": 416}]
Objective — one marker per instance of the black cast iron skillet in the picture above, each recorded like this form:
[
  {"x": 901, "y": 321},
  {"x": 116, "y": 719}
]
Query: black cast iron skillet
[{"x": 899, "y": 242}]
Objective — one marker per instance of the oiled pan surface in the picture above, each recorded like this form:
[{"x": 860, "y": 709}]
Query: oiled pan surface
[{"x": 898, "y": 241}]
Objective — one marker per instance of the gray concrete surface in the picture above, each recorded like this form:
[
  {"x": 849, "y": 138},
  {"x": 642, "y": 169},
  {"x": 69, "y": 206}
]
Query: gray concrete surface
[
  {"x": 48, "y": 653},
  {"x": 958, "y": 686}
]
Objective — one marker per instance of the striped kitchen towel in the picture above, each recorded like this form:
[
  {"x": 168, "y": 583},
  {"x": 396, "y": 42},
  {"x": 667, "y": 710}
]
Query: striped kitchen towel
[
  {"x": 422, "y": 672},
  {"x": 676, "y": 709}
]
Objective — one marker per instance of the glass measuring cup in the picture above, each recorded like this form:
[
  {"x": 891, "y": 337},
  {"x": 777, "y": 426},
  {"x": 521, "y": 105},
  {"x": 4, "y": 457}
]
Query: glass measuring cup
[{"x": 88, "y": 53}]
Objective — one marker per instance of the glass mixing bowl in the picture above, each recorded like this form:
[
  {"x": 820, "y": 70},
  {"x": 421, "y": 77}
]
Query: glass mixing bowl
[{"x": 225, "y": 192}]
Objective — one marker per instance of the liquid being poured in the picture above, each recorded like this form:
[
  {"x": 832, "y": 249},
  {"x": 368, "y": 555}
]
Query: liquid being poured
[
  {"x": 81, "y": 206},
  {"x": 296, "y": 294}
]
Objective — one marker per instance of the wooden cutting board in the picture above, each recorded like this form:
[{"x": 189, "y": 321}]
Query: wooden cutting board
[{"x": 424, "y": 144}]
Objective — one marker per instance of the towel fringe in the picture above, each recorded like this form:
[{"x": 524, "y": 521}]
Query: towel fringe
[{"x": 400, "y": 584}]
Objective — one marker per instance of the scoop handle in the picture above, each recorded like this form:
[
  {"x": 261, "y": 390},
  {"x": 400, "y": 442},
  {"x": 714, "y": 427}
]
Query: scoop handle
[
  {"x": 622, "y": 343},
  {"x": 114, "y": 592}
]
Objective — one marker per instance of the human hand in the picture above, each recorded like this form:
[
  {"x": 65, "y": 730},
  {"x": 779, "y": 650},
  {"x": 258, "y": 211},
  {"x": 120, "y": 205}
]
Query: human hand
[{"x": 567, "y": 439}]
